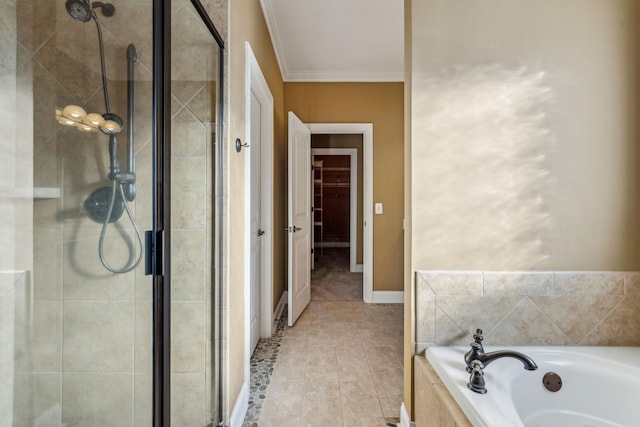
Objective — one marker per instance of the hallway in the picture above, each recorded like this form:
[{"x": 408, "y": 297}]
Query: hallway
[{"x": 339, "y": 365}]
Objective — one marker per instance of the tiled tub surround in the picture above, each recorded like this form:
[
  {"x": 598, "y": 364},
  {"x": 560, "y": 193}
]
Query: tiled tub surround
[{"x": 528, "y": 308}]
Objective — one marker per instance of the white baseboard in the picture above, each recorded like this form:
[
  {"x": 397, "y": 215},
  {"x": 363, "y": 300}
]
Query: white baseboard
[
  {"x": 359, "y": 268},
  {"x": 388, "y": 297},
  {"x": 241, "y": 406},
  {"x": 405, "y": 419},
  {"x": 279, "y": 309}
]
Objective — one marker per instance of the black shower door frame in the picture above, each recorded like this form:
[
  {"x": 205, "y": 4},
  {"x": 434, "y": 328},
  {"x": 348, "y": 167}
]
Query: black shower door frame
[{"x": 159, "y": 239}]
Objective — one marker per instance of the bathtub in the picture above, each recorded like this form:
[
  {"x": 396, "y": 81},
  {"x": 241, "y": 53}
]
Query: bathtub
[{"x": 600, "y": 387}]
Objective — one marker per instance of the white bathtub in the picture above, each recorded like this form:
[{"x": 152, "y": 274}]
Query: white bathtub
[{"x": 600, "y": 387}]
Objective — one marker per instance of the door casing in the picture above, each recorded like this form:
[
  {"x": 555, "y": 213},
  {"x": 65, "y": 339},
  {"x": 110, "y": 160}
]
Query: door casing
[{"x": 255, "y": 82}]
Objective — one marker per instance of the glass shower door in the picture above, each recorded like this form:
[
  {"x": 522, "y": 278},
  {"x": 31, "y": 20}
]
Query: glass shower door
[
  {"x": 75, "y": 327},
  {"x": 195, "y": 96}
]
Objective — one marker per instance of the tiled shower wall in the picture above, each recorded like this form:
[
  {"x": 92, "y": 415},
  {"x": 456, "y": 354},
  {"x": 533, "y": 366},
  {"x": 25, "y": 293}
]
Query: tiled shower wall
[
  {"x": 528, "y": 308},
  {"x": 91, "y": 340}
]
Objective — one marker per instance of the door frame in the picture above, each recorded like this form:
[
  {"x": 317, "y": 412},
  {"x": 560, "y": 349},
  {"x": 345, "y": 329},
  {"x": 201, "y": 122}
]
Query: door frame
[
  {"x": 353, "y": 199},
  {"x": 255, "y": 82},
  {"x": 366, "y": 130}
]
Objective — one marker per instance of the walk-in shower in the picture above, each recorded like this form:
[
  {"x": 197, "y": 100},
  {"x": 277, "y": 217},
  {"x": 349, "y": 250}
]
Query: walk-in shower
[{"x": 107, "y": 204}]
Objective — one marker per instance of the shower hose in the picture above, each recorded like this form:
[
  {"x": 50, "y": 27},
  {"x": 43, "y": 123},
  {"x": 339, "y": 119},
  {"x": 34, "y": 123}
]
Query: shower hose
[{"x": 115, "y": 186}]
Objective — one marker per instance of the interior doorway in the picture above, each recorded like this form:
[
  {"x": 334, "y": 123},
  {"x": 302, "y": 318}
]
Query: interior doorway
[
  {"x": 360, "y": 137},
  {"x": 337, "y": 193},
  {"x": 337, "y": 198}
]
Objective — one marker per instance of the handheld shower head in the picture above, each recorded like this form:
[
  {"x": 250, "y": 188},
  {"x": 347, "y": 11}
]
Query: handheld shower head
[{"x": 80, "y": 10}]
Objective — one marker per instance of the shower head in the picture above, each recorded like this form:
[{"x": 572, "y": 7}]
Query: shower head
[
  {"x": 80, "y": 10},
  {"x": 113, "y": 124}
]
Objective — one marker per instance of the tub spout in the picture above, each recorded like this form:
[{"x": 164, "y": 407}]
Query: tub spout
[
  {"x": 528, "y": 363},
  {"x": 477, "y": 353}
]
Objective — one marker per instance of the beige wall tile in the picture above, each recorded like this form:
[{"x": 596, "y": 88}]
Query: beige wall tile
[
  {"x": 97, "y": 399},
  {"x": 47, "y": 269},
  {"x": 621, "y": 327},
  {"x": 188, "y": 202},
  {"x": 97, "y": 336},
  {"x": 187, "y": 400},
  {"x": 577, "y": 315},
  {"x": 187, "y": 337},
  {"x": 580, "y": 301},
  {"x": 471, "y": 313},
  {"x": 143, "y": 336},
  {"x": 454, "y": 283},
  {"x": 142, "y": 399},
  {"x": 527, "y": 325},
  {"x": 188, "y": 265},
  {"x": 496, "y": 284},
  {"x": 47, "y": 336},
  {"x": 188, "y": 135},
  {"x": 85, "y": 278},
  {"x": 447, "y": 333},
  {"x": 599, "y": 283},
  {"x": 425, "y": 311},
  {"x": 42, "y": 400}
]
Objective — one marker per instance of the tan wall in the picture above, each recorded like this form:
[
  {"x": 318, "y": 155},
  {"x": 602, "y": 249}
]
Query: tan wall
[
  {"x": 247, "y": 24},
  {"x": 382, "y": 105},
  {"x": 348, "y": 141},
  {"x": 525, "y": 141},
  {"x": 546, "y": 180}
]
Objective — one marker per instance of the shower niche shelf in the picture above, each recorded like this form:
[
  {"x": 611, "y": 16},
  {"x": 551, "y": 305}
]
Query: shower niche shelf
[
  {"x": 47, "y": 193},
  {"x": 29, "y": 193}
]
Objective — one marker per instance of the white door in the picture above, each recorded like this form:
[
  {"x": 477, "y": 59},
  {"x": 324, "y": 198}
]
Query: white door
[
  {"x": 299, "y": 225},
  {"x": 256, "y": 221}
]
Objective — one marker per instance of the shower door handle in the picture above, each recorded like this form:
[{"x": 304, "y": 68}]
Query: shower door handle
[
  {"x": 148, "y": 256},
  {"x": 153, "y": 253}
]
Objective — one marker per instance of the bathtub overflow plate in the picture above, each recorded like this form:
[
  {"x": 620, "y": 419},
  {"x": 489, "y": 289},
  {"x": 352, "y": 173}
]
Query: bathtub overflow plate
[{"x": 552, "y": 381}]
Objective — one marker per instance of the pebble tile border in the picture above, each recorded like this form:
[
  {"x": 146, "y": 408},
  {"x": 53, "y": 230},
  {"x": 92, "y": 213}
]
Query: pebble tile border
[{"x": 261, "y": 367}]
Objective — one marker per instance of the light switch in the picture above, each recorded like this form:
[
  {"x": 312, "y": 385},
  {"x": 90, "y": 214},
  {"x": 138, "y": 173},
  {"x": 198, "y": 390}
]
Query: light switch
[{"x": 378, "y": 208}]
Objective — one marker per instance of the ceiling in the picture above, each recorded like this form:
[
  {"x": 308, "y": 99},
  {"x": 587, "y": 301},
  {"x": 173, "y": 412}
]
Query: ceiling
[{"x": 337, "y": 40}]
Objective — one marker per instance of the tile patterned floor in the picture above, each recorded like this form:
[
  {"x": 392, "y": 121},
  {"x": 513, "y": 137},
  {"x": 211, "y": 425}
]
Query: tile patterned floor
[{"x": 339, "y": 365}]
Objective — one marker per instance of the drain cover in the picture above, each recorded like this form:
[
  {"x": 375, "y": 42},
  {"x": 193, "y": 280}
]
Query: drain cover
[{"x": 552, "y": 381}]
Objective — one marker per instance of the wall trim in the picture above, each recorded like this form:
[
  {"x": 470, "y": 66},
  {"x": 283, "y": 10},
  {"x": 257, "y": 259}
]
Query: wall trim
[
  {"x": 405, "y": 419},
  {"x": 241, "y": 406},
  {"x": 279, "y": 309},
  {"x": 388, "y": 297},
  {"x": 255, "y": 83},
  {"x": 359, "y": 268}
]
